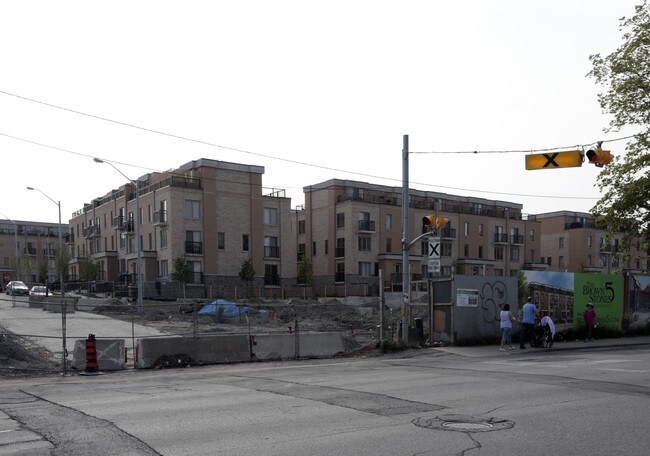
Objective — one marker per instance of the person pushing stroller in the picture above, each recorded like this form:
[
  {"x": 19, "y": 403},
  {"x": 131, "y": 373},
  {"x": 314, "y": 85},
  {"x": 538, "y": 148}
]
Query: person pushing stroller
[{"x": 530, "y": 313}]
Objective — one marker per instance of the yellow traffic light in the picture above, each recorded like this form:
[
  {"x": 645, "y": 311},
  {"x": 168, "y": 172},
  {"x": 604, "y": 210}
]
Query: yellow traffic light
[
  {"x": 431, "y": 221},
  {"x": 599, "y": 157}
]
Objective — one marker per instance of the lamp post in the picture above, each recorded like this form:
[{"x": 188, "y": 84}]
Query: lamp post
[
  {"x": 137, "y": 233},
  {"x": 63, "y": 320},
  {"x": 58, "y": 203}
]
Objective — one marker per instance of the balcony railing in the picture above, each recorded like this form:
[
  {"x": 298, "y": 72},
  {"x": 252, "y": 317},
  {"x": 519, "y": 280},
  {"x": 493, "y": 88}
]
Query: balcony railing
[
  {"x": 500, "y": 238},
  {"x": 117, "y": 222},
  {"x": 160, "y": 217},
  {"x": 367, "y": 225},
  {"x": 193, "y": 248},
  {"x": 271, "y": 251},
  {"x": 517, "y": 239},
  {"x": 91, "y": 231}
]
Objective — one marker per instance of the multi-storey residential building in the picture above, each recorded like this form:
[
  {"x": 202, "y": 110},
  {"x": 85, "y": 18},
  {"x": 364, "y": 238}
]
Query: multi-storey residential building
[
  {"x": 28, "y": 251},
  {"x": 350, "y": 230},
  {"x": 211, "y": 213},
  {"x": 571, "y": 242}
]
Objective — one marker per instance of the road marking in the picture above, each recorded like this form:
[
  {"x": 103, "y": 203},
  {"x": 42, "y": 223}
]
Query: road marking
[{"x": 624, "y": 370}]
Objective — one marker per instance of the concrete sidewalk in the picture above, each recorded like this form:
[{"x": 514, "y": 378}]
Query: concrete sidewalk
[{"x": 482, "y": 351}]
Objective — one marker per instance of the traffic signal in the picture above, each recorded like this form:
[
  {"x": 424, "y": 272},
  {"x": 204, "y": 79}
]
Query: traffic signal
[
  {"x": 431, "y": 221},
  {"x": 599, "y": 157}
]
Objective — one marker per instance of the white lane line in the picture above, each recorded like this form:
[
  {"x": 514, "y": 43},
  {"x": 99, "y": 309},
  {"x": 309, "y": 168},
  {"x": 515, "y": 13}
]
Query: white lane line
[{"x": 632, "y": 371}]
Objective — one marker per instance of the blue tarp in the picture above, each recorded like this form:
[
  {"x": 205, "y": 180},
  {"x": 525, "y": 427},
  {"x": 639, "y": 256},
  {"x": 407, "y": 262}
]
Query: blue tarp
[{"x": 230, "y": 309}]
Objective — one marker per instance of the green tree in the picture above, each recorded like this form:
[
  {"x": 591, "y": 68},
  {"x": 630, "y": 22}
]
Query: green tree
[
  {"x": 43, "y": 269},
  {"x": 180, "y": 271},
  {"x": 247, "y": 271},
  {"x": 625, "y": 77},
  {"x": 88, "y": 269},
  {"x": 305, "y": 271},
  {"x": 523, "y": 291}
]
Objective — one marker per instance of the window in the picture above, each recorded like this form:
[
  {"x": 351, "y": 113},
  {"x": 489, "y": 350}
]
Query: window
[
  {"x": 466, "y": 250},
  {"x": 560, "y": 262},
  {"x": 514, "y": 254},
  {"x": 446, "y": 249},
  {"x": 163, "y": 269},
  {"x": 365, "y": 244},
  {"x": 589, "y": 241},
  {"x": 313, "y": 248},
  {"x": 424, "y": 248},
  {"x": 480, "y": 230},
  {"x": 561, "y": 242},
  {"x": 498, "y": 272},
  {"x": 340, "y": 247},
  {"x": 301, "y": 250},
  {"x": 389, "y": 245},
  {"x": 301, "y": 227},
  {"x": 480, "y": 251},
  {"x": 245, "y": 242},
  {"x": 192, "y": 209},
  {"x": 340, "y": 272},
  {"x": 271, "y": 216},
  {"x": 549, "y": 261},
  {"x": 326, "y": 247},
  {"x": 163, "y": 238},
  {"x": 389, "y": 221},
  {"x": 271, "y": 277},
  {"x": 365, "y": 269},
  {"x": 194, "y": 272},
  {"x": 271, "y": 247},
  {"x": 340, "y": 220},
  {"x": 193, "y": 244},
  {"x": 466, "y": 228},
  {"x": 531, "y": 234},
  {"x": 221, "y": 241}
]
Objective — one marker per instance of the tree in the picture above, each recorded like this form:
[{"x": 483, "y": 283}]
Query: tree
[
  {"x": 305, "y": 271},
  {"x": 625, "y": 75},
  {"x": 523, "y": 291},
  {"x": 247, "y": 271},
  {"x": 88, "y": 269},
  {"x": 180, "y": 271}
]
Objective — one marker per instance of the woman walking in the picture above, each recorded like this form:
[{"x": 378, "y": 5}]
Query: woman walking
[{"x": 507, "y": 319}]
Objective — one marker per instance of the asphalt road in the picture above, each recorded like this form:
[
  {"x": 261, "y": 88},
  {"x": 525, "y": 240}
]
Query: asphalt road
[{"x": 455, "y": 401}]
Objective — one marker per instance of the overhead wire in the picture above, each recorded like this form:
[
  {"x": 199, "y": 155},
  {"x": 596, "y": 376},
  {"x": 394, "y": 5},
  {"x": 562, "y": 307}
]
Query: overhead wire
[{"x": 234, "y": 149}]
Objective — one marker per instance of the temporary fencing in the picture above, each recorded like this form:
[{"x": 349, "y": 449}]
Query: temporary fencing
[{"x": 56, "y": 327}]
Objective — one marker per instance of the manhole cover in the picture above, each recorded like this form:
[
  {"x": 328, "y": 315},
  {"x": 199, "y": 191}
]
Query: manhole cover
[
  {"x": 463, "y": 423},
  {"x": 468, "y": 426}
]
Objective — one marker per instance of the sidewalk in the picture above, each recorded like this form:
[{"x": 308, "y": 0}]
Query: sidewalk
[{"x": 482, "y": 351}]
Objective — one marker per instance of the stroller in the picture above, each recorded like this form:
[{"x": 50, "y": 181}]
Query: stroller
[{"x": 544, "y": 333}]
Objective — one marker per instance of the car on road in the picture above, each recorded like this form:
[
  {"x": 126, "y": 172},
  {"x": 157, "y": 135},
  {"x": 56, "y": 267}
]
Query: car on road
[
  {"x": 39, "y": 290},
  {"x": 16, "y": 287}
]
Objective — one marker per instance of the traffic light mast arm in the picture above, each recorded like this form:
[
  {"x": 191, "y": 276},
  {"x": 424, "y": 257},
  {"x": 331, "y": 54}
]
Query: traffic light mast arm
[{"x": 410, "y": 244}]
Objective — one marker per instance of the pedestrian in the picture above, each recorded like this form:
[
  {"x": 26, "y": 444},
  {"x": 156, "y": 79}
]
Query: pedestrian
[
  {"x": 507, "y": 319},
  {"x": 527, "y": 322},
  {"x": 590, "y": 321}
]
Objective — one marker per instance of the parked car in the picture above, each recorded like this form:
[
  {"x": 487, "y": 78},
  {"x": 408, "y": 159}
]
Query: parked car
[
  {"x": 40, "y": 290},
  {"x": 16, "y": 287}
]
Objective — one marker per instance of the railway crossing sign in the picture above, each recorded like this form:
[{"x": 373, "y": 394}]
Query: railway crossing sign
[
  {"x": 552, "y": 160},
  {"x": 434, "y": 254}
]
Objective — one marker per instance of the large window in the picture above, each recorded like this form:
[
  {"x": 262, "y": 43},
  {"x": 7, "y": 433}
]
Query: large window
[
  {"x": 365, "y": 244},
  {"x": 193, "y": 243},
  {"x": 192, "y": 209},
  {"x": 271, "y": 277},
  {"x": 271, "y": 247},
  {"x": 365, "y": 269},
  {"x": 340, "y": 220},
  {"x": 163, "y": 238},
  {"x": 271, "y": 216},
  {"x": 221, "y": 241},
  {"x": 163, "y": 269}
]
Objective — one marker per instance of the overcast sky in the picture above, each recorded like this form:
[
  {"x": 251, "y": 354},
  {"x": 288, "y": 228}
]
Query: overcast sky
[{"x": 310, "y": 90}]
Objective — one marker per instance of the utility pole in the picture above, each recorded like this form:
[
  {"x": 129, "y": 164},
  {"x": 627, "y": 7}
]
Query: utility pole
[{"x": 406, "y": 292}]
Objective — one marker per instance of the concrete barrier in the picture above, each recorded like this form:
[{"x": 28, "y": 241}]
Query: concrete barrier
[
  {"x": 110, "y": 354},
  {"x": 55, "y": 304},
  {"x": 283, "y": 346},
  {"x": 178, "y": 350}
]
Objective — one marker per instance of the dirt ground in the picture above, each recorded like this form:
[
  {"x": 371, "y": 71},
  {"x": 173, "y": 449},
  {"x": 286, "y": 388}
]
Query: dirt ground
[{"x": 19, "y": 357}]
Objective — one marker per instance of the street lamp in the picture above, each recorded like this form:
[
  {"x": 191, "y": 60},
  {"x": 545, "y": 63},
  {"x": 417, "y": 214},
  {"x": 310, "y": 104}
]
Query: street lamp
[
  {"x": 137, "y": 232},
  {"x": 15, "y": 244},
  {"x": 61, "y": 248},
  {"x": 60, "y": 265}
]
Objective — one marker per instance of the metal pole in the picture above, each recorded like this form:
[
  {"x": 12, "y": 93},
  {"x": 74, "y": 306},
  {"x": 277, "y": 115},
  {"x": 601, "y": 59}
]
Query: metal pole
[
  {"x": 406, "y": 292},
  {"x": 138, "y": 246},
  {"x": 382, "y": 319}
]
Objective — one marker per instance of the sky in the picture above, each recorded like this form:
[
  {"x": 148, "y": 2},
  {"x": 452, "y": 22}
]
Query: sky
[{"x": 310, "y": 90}]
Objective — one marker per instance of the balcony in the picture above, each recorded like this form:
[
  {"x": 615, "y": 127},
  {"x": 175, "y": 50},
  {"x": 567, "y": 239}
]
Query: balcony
[
  {"x": 160, "y": 218},
  {"x": 127, "y": 226},
  {"x": 193, "y": 248},
  {"x": 91, "y": 231},
  {"x": 500, "y": 238},
  {"x": 367, "y": 226},
  {"x": 271, "y": 251},
  {"x": 517, "y": 239},
  {"x": 117, "y": 222}
]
